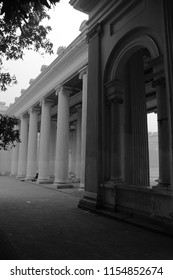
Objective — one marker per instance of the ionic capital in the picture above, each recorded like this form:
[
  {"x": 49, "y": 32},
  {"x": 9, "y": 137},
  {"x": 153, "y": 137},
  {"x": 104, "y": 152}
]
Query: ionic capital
[
  {"x": 33, "y": 110},
  {"x": 83, "y": 71},
  {"x": 45, "y": 102}
]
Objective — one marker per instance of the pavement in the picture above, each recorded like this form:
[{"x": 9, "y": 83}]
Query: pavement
[{"x": 42, "y": 223}]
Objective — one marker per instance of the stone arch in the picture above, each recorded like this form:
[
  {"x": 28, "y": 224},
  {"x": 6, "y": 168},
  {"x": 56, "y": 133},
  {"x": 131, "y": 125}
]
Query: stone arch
[
  {"x": 129, "y": 44},
  {"x": 136, "y": 42}
]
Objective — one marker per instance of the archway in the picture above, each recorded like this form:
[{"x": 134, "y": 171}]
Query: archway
[{"x": 131, "y": 94}]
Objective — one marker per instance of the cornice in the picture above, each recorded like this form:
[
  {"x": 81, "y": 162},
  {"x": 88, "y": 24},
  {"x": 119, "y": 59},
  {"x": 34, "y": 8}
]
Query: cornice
[
  {"x": 84, "y": 6},
  {"x": 75, "y": 57}
]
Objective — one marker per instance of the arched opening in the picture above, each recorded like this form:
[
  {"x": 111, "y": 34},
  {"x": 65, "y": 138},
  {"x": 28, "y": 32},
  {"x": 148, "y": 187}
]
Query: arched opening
[{"x": 132, "y": 95}]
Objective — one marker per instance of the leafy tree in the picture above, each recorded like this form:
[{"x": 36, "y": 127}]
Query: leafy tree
[
  {"x": 9, "y": 133},
  {"x": 24, "y": 16}
]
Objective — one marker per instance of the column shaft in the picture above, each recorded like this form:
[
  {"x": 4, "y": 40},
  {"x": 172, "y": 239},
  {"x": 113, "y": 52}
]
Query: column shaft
[
  {"x": 53, "y": 147},
  {"x": 32, "y": 145},
  {"x": 139, "y": 121},
  {"x": 73, "y": 152},
  {"x": 115, "y": 142},
  {"x": 22, "y": 162},
  {"x": 44, "y": 153},
  {"x": 62, "y": 142},
  {"x": 84, "y": 76},
  {"x": 163, "y": 135},
  {"x": 78, "y": 143},
  {"x": 14, "y": 161}
]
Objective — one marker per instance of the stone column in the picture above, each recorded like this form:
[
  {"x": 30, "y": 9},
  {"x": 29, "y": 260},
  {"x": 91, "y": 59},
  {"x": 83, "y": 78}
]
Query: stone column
[
  {"x": 168, "y": 62},
  {"x": 44, "y": 153},
  {"x": 73, "y": 152},
  {"x": 62, "y": 141},
  {"x": 163, "y": 135},
  {"x": 70, "y": 150},
  {"x": 139, "y": 121},
  {"x": 14, "y": 158},
  {"x": 78, "y": 143},
  {"x": 163, "y": 125},
  {"x": 53, "y": 147},
  {"x": 23, "y": 146},
  {"x": 14, "y": 161},
  {"x": 83, "y": 75},
  {"x": 3, "y": 161},
  {"x": 32, "y": 144},
  {"x": 115, "y": 141}
]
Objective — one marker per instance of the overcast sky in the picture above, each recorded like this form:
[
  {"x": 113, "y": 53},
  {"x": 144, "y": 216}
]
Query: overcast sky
[{"x": 65, "y": 22}]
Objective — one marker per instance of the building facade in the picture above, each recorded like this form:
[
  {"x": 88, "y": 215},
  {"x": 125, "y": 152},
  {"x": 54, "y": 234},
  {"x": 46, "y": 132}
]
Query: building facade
[
  {"x": 85, "y": 115},
  {"x": 130, "y": 75}
]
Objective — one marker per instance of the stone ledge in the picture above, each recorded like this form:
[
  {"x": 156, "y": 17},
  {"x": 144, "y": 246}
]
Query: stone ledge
[{"x": 136, "y": 219}]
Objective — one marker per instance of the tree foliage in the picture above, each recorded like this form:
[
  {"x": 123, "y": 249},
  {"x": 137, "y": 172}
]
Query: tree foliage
[
  {"x": 21, "y": 28},
  {"x": 9, "y": 133},
  {"x": 24, "y": 16}
]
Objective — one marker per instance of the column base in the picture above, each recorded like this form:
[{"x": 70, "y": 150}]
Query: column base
[
  {"x": 115, "y": 181},
  {"x": 44, "y": 181},
  {"x": 82, "y": 186},
  {"x": 88, "y": 202},
  {"x": 30, "y": 179},
  {"x": 162, "y": 185},
  {"x": 13, "y": 174},
  {"x": 21, "y": 177},
  {"x": 63, "y": 185}
]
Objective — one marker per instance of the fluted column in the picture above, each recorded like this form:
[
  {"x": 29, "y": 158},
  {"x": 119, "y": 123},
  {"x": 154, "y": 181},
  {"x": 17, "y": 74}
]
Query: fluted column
[
  {"x": 32, "y": 144},
  {"x": 53, "y": 147},
  {"x": 44, "y": 153},
  {"x": 70, "y": 149},
  {"x": 84, "y": 76},
  {"x": 23, "y": 146},
  {"x": 115, "y": 141},
  {"x": 78, "y": 142},
  {"x": 163, "y": 135},
  {"x": 73, "y": 152},
  {"x": 163, "y": 125},
  {"x": 62, "y": 141},
  {"x": 14, "y": 161},
  {"x": 15, "y": 156},
  {"x": 168, "y": 62},
  {"x": 139, "y": 121}
]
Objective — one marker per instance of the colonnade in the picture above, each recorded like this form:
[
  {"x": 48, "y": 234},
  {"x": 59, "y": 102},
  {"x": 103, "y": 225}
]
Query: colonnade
[{"x": 61, "y": 145}]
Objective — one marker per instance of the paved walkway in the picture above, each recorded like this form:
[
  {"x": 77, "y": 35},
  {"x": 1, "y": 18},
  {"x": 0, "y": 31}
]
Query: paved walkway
[{"x": 41, "y": 223}]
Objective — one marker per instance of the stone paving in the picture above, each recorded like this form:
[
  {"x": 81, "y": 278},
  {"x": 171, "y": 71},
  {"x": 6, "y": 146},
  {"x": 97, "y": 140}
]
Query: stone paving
[{"x": 39, "y": 223}]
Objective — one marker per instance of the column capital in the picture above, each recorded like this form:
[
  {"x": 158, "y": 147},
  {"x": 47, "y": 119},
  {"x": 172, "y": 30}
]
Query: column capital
[
  {"x": 57, "y": 89},
  {"x": 158, "y": 67},
  {"x": 114, "y": 91},
  {"x": 31, "y": 110},
  {"x": 63, "y": 89},
  {"x": 23, "y": 116},
  {"x": 46, "y": 101},
  {"x": 93, "y": 32},
  {"x": 83, "y": 71},
  {"x": 115, "y": 98}
]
